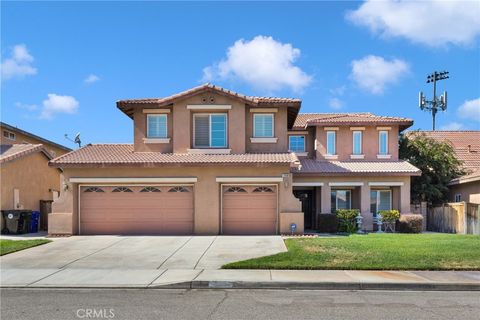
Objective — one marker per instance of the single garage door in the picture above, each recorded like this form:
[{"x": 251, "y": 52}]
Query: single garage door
[
  {"x": 249, "y": 210},
  {"x": 136, "y": 210}
]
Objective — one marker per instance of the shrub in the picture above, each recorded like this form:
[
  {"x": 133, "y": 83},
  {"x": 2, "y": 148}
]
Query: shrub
[
  {"x": 389, "y": 215},
  {"x": 327, "y": 222},
  {"x": 346, "y": 220},
  {"x": 410, "y": 223}
]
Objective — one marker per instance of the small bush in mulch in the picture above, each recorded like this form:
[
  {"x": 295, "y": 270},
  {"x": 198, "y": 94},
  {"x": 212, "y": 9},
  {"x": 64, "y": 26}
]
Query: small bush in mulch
[
  {"x": 346, "y": 220},
  {"x": 409, "y": 223}
]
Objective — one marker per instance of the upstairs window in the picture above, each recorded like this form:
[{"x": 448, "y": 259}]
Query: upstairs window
[
  {"x": 383, "y": 142},
  {"x": 331, "y": 143},
  {"x": 9, "y": 135},
  {"x": 156, "y": 126},
  {"x": 296, "y": 143},
  {"x": 210, "y": 130},
  {"x": 357, "y": 142},
  {"x": 263, "y": 125}
]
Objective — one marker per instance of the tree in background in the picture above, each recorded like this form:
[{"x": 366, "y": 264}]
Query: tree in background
[{"x": 438, "y": 163}]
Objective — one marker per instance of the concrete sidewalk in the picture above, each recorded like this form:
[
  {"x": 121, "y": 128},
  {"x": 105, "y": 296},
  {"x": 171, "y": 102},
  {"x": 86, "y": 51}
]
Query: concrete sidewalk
[{"x": 251, "y": 279}]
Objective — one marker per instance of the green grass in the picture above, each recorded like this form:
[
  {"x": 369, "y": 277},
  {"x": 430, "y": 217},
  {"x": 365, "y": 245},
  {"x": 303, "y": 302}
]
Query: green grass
[
  {"x": 9, "y": 246},
  {"x": 374, "y": 252}
]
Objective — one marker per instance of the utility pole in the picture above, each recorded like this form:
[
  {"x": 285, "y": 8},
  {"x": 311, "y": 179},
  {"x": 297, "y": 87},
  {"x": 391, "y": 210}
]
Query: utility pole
[{"x": 435, "y": 104}]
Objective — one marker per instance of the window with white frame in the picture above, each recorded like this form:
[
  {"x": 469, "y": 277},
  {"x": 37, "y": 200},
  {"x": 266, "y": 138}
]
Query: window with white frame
[
  {"x": 9, "y": 135},
  {"x": 296, "y": 143},
  {"x": 210, "y": 130},
  {"x": 263, "y": 126},
  {"x": 331, "y": 143},
  {"x": 157, "y": 126},
  {"x": 357, "y": 142},
  {"x": 458, "y": 197},
  {"x": 380, "y": 200},
  {"x": 383, "y": 142},
  {"x": 341, "y": 199}
]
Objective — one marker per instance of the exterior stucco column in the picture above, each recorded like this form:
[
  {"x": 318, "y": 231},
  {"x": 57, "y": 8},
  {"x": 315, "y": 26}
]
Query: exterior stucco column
[
  {"x": 326, "y": 201},
  {"x": 405, "y": 197},
  {"x": 365, "y": 207}
]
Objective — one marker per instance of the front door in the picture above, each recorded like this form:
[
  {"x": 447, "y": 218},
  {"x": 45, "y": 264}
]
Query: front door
[{"x": 308, "y": 206}]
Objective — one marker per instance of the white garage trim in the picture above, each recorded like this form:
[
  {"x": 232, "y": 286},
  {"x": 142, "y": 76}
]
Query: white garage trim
[
  {"x": 134, "y": 180},
  {"x": 307, "y": 184},
  {"x": 386, "y": 184},
  {"x": 248, "y": 179}
]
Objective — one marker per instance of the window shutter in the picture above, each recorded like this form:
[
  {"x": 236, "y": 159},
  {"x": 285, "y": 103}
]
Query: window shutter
[{"x": 202, "y": 125}]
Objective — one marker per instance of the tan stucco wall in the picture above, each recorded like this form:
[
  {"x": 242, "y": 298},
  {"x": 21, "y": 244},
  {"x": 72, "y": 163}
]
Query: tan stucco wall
[
  {"x": 140, "y": 132},
  {"x": 369, "y": 143},
  {"x": 32, "y": 176},
  {"x": 287, "y": 218},
  {"x": 470, "y": 192},
  {"x": 21, "y": 138},
  {"x": 207, "y": 190}
]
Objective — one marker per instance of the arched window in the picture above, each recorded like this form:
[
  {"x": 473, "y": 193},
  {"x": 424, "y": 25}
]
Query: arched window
[
  {"x": 235, "y": 189},
  {"x": 122, "y": 189},
  {"x": 93, "y": 189},
  {"x": 263, "y": 189},
  {"x": 178, "y": 189},
  {"x": 150, "y": 189}
]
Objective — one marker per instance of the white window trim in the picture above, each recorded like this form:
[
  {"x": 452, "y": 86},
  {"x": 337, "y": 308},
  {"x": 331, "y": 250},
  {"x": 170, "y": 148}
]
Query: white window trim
[
  {"x": 353, "y": 143},
  {"x": 10, "y": 133},
  {"x": 263, "y": 140},
  {"x": 331, "y": 156},
  {"x": 156, "y": 140},
  {"x": 166, "y": 126},
  {"x": 209, "y": 151},
  {"x": 301, "y": 154},
  {"x": 357, "y": 156},
  {"x": 304, "y": 143},
  {"x": 384, "y": 156},
  {"x": 334, "y": 143},
  {"x": 273, "y": 124},
  {"x": 210, "y": 130},
  {"x": 379, "y": 143}
]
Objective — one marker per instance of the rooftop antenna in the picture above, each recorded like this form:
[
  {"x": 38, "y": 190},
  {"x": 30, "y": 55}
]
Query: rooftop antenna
[
  {"x": 435, "y": 104},
  {"x": 75, "y": 140}
]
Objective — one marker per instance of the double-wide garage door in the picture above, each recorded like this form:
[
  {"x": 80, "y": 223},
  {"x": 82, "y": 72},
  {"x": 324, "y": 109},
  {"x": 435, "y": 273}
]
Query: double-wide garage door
[
  {"x": 136, "y": 210},
  {"x": 249, "y": 209}
]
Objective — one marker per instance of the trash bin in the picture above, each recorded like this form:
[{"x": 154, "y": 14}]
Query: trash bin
[
  {"x": 33, "y": 225},
  {"x": 16, "y": 221},
  {"x": 26, "y": 216}
]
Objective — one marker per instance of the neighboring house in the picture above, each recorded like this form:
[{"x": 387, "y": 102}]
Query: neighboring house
[
  {"x": 212, "y": 161},
  {"x": 25, "y": 176},
  {"x": 466, "y": 145}
]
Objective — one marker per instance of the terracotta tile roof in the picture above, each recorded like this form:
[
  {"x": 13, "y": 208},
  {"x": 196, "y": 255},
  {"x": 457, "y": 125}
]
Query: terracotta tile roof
[
  {"x": 9, "y": 152},
  {"x": 348, "y": 119},
  {"x": 474, "y": 176},
  {"x": 169, "y": 99},
  {"x": 310, "y": 166},
  {"x": 123, "y": 155},
  {"x": 465, "y": 143}
]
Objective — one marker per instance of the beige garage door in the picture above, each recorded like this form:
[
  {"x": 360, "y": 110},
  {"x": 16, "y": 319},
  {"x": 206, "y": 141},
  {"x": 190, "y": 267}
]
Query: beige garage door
[
  {"x": 136, "y": 210},
  {"x": 249, "y": 210}
]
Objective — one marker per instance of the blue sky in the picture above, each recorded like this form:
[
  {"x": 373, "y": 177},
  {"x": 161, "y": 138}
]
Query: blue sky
[{"x": 65, "y": 64}]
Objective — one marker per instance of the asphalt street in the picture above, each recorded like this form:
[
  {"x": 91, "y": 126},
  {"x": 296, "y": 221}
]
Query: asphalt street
[{"x": 40, "y": 304}]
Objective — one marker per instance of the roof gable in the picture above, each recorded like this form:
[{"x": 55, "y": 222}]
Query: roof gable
[{"x": 10, "y": 152}]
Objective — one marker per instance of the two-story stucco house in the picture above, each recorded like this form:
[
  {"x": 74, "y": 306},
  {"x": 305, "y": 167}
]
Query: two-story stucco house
[{"x": 212, "y": 161}]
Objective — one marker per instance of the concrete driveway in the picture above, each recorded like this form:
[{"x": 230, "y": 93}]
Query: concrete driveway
[{"x": 143, "y": 252}]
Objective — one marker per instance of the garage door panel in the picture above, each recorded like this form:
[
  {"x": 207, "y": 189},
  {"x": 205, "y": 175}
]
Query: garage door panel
[
  {"x": 249, "y": 210},
  {"x": 136, "y": 212}
]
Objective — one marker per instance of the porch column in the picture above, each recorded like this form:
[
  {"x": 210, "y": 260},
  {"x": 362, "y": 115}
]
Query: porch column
[
  {"x": 405, "y": 198},
  {"x": 326, "y": 201},
  {"x": 365, "y": 207}
]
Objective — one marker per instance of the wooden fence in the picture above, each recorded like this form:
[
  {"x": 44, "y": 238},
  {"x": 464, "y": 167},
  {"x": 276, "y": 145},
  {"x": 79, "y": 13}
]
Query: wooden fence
[{"x": 457, "y": 217}]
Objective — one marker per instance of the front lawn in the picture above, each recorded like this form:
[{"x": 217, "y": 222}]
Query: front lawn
[
  {"x": 374, "y": 252},
  {"x": 9, "y": 246}
]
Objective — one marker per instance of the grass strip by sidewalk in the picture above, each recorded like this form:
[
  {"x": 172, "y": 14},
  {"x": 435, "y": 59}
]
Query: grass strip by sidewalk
[
  {"x": 374, "y": 252},
  {"x": 9, "y": 246}
]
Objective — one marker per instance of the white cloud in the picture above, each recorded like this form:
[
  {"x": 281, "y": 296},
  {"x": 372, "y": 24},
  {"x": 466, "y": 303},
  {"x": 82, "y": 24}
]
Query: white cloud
[
  {"x": 28, "y": 107},
  {"x": 374, "y": 73},
  {"x": 19, "y": 64},
  {"x": 262, "y": 62},
  {"x": 433, "y": 23},
  {"x": 58, "y": 104},
  {"x": 335, "y": 103},
  {"x": 470, "y": 109},
  {"x": 452, "y": 126},
  {"x": 338, "y": 91},
  {"x": 91, "y": 78}
]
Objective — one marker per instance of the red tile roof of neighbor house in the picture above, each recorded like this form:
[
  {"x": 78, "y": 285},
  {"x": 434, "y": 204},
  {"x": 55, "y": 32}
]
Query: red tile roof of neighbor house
[
  {"x": 467, "y": 148},
  {"x": 310, "y": 166},
  {"x": 9, "y": 152},
  {"x": 100, "y": 155},
  {"x": 348, "y": 119}
]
